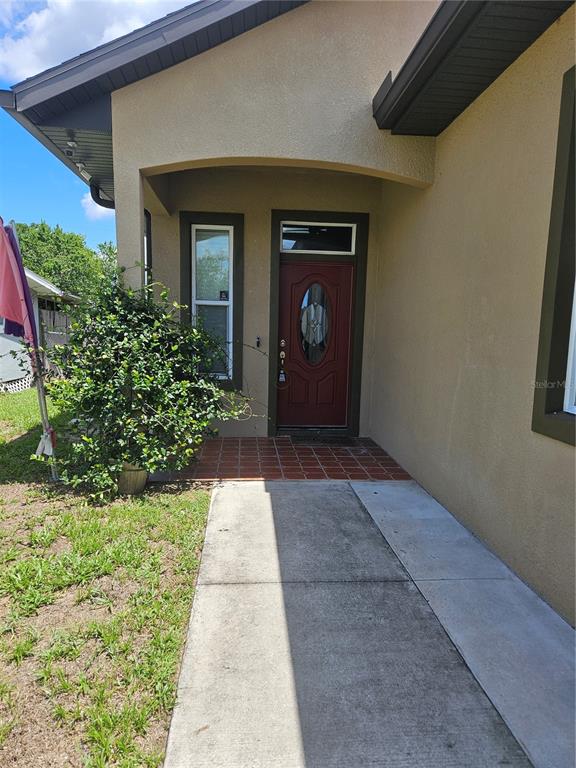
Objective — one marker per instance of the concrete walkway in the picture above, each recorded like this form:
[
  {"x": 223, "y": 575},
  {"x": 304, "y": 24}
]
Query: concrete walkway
[
  {"x": 310, "y": 645},
  {"x": 518, "y": 648}
]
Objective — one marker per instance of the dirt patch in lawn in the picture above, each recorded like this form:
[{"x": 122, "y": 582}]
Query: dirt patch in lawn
[
  {"x": 35, "y": 740},
  {"x": 94, "y": 602},
  {"x": 5, "y": 428}
]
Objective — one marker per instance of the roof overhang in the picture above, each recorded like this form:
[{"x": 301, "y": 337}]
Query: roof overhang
[
  {"x": 46, "y": 289},
  {"x": 68, "y": 107},
  {"x": 464, "y": 48}
]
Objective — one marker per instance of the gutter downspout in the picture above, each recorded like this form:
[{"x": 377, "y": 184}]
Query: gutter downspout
[{"x": 95, "y": 195}]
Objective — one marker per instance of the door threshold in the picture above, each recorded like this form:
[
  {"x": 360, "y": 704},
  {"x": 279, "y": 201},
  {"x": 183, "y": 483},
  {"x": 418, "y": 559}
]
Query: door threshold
[{"x": 317, "y": 434}]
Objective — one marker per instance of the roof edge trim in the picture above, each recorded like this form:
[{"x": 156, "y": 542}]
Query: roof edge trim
[
  {"x": 443, "y": 29},
  {"x": 7, "y": 99},
  {"x": 126, "y": 50}
]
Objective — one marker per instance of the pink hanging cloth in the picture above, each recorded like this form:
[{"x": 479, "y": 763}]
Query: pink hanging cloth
[
  {"x": 18, "y": 313},
  {"x": 15, "y": 300}
]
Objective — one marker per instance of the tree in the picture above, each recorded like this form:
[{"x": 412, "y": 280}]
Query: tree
[
  {"x": 65, "y": 259},
  {"x": 108, "y": 255}
]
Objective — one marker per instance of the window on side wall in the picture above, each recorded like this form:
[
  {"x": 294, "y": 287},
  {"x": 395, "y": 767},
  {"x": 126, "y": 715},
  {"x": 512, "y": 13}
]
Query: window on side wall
[
  {"x": 570, "y": 392},
  {"x": 211, "y": 285},
  {"x": 554, "y": 412},
  {"x": 147, "y": 247}
]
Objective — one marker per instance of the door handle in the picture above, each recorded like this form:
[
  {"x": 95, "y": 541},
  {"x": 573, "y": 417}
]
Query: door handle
[{"x": 282, "y": 374}]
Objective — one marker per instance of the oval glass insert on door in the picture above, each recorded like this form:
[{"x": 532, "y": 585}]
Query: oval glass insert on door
[{"x": 315, "y": 323}]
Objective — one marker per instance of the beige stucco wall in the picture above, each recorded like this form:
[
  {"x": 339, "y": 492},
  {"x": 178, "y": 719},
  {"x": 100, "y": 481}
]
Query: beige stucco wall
[
  {"x": 459, "y": 285},
  {"x": 296, "y": 90},
  {"x": 455, "y": 268},
  {"x": 255, "y": 192}
]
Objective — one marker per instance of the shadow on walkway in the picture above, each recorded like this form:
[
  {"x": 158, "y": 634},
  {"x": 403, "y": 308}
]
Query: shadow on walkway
[{"x": 311, "y": 647}]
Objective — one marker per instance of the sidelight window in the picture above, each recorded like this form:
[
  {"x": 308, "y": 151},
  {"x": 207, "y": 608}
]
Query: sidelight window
[{"x": 212, "y": 283}]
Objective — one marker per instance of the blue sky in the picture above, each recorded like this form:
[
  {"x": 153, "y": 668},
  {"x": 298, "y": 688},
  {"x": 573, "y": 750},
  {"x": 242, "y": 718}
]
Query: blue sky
[
  {"x": 34, "y": 185},
  {"x": 35, "y": 35}
]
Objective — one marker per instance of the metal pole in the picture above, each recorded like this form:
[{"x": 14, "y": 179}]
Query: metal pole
[{"x": 38, "y": 369}]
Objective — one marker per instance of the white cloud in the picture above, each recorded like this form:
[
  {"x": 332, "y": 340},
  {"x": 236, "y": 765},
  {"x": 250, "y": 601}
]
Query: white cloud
[
  {"x": 11, "y": 9},
  {"x": 93, "y": 211},
  {"x": 37, "y": 35}
]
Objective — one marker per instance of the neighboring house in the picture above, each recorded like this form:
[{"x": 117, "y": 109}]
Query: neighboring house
[
  {"x": 407, "y": 167},
  {"x": 52, "y": 323}
]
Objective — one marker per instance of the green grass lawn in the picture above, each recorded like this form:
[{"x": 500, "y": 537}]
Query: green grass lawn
[
  {"x": 20, "y": 431},
  {"x": 94, "y": 603}
]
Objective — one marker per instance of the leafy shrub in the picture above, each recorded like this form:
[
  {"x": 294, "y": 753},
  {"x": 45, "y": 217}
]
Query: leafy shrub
[{"x": 135, "y": 379}]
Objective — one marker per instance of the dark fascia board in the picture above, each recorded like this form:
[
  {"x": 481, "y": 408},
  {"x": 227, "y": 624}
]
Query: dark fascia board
[
  {"x": 7, "y": 100},
  {"x": 446, "y": 26},
  {"x": 128, "y": 49},
  {"x": 401, "y": 105},
  {"x": 119, "y": 52}
]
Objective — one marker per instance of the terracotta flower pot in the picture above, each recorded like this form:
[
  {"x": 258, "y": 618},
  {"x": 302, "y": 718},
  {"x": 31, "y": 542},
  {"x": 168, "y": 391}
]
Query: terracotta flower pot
[{"x": 132, "y": 480}]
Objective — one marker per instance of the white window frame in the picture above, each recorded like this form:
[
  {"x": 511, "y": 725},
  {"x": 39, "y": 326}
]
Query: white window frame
[
  {"x": 146, "y": 269},
  {"x": 570, "y": 384},
  {"x": 348, "y": 225},
  {"x": 207, "y": 303}
]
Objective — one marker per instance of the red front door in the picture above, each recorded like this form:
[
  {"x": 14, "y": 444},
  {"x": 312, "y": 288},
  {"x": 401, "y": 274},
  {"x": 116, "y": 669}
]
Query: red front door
[{"x": 315, "y": 328}]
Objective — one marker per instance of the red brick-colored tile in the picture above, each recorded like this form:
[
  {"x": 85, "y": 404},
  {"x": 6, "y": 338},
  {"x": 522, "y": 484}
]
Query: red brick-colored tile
[
  {"x": 269, "y": 458},
  {"x": 378, "y": 474}
]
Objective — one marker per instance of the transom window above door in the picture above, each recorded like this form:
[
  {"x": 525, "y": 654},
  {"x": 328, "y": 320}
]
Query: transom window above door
[
  {"x": 317, "y": 237},
  {"x": 212, "y": 286}
]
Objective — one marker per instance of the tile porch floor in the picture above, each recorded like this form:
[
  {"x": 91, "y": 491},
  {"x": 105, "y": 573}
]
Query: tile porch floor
[{"x": 285, "y": 458}]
